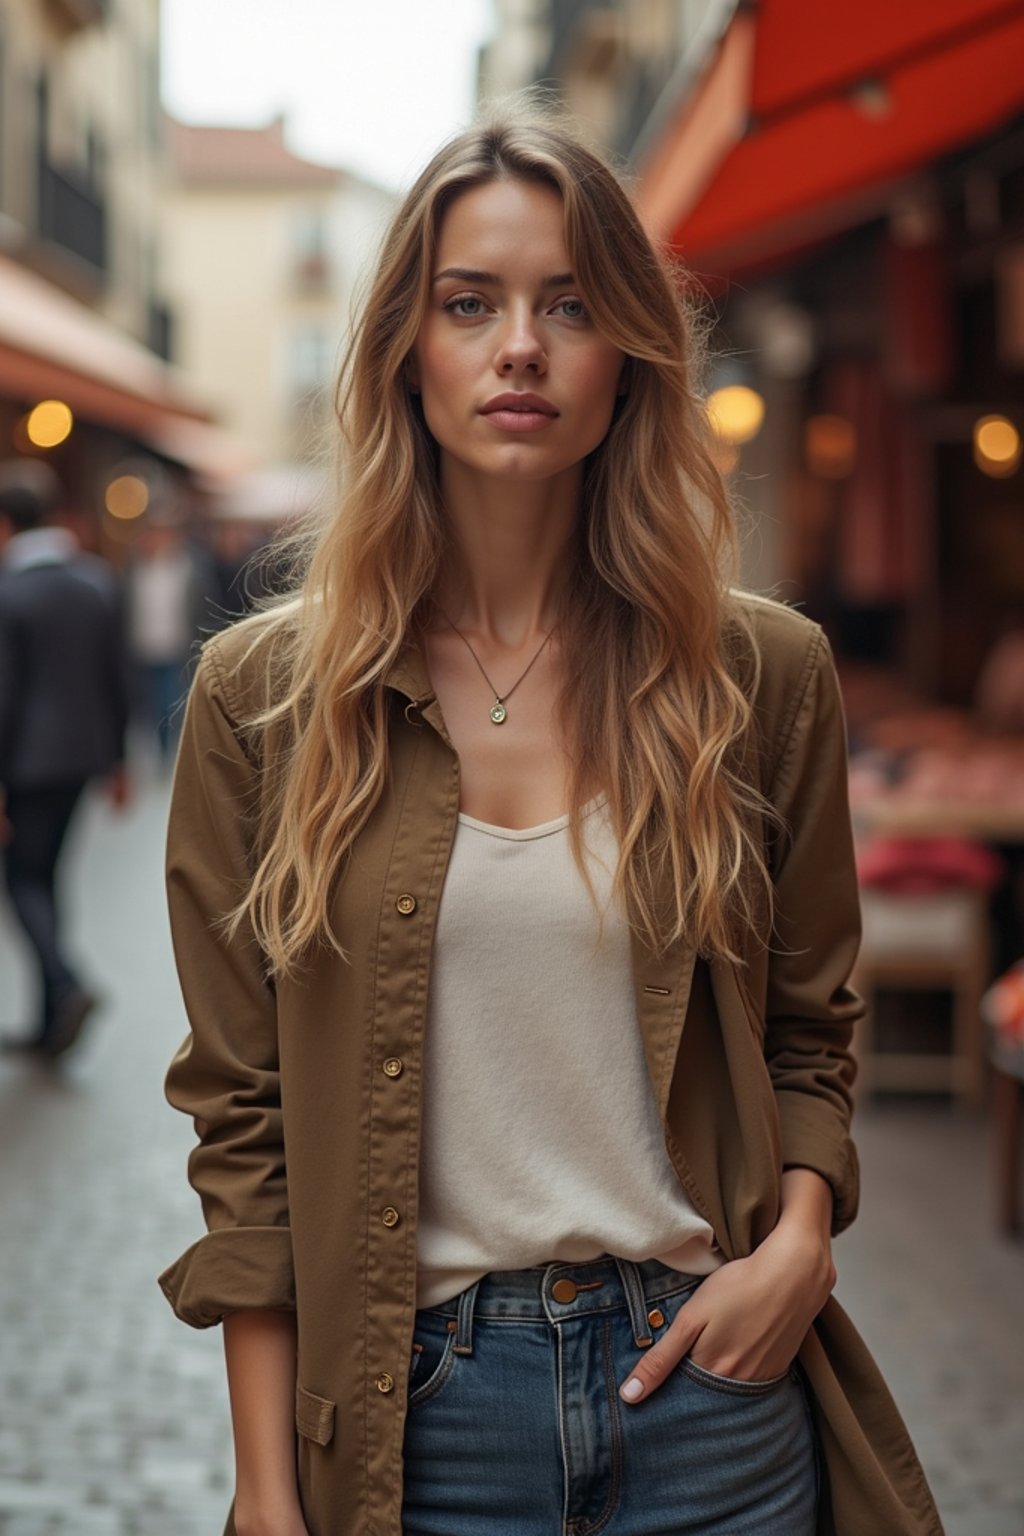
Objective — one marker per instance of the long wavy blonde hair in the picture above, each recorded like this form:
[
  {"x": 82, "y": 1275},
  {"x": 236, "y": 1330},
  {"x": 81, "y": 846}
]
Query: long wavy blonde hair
[{"x": 655, "y": 705}]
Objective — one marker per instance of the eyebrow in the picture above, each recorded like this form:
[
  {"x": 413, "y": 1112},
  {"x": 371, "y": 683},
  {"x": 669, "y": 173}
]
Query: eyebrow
[{"x": 469, "y": 275}]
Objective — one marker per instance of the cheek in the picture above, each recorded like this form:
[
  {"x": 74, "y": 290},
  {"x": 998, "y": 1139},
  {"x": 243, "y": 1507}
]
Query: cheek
[
  {"x": 439, "y": 368},
  {"x": 598, "y": 383}
]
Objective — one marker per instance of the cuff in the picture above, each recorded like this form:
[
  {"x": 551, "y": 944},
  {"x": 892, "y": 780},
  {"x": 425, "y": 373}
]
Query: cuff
[
  {"x": 805, "y": 1146},
  {"x": 231, "y": 1269}
]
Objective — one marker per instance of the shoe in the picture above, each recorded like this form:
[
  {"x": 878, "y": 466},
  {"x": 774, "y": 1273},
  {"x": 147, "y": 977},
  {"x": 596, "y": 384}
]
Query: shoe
[{"x": 69, "y": 1018}]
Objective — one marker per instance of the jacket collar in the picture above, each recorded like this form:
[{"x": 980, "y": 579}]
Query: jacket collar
[
  {"x": 39, "y": 546},
  {"x": 408, "y": 676}
]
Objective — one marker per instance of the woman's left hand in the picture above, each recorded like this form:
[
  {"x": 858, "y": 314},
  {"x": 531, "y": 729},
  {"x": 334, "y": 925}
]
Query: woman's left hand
[{"x": 748, "y": 1319}]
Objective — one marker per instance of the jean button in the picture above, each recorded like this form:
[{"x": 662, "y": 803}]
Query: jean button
[{"x": 564, "y": 1290}]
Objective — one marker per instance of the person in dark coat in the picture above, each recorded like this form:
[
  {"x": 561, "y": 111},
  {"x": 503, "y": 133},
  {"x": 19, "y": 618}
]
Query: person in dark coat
[{"x": 63, "y": 713}]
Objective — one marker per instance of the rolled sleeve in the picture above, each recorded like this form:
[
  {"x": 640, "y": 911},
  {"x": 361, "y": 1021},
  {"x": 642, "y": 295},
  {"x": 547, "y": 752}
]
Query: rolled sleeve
[
  {"x": 231, "y": 1269},
  {"x": 226, "y": 1073},
  {"x": 811, "y": 1009}
]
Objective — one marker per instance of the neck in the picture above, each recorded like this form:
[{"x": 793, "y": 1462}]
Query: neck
[{"x": 514, "y": 546}]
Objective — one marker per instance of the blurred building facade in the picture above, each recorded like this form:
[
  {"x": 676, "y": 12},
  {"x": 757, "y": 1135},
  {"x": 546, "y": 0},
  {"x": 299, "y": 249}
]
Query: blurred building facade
[
  {"x": 263, "y": 252},
  {"x": 609, "y": 62},
  {"x": 85, "y": 332},
  {"x": 845, "y": 185},
  {"x": 80, "y": 152}
]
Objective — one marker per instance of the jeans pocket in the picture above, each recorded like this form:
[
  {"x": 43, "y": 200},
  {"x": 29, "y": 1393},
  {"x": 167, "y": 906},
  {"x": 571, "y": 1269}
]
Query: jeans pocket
[
  {"x": 732, "y": 1385},
  {"x": 433, "y": 1359}
]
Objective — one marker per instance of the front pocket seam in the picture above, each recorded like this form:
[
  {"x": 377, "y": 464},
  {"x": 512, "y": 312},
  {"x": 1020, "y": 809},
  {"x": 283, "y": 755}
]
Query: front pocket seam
[
  {"x": 435, "y": 1382},
  {"x": 729, "y": 1385}
]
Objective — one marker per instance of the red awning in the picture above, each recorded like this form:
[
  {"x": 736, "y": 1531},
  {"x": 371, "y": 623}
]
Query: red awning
[{"x": 807, "y": 111}]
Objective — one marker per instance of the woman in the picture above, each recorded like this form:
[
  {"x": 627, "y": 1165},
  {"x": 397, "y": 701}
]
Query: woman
[{"x": 462, "y": 837}]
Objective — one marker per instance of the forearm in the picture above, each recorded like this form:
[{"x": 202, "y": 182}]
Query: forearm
[
  {"x": 259, "y": 1349},
  {"x": 806, "y": 1215}
]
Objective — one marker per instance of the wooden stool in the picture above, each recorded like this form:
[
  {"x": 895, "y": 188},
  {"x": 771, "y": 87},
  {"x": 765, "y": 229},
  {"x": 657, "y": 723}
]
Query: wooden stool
[{"x": 936, "y": 941}]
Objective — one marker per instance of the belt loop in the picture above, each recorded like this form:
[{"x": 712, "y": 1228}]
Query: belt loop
[
  {"x": 464, "y": 1332},
  {"x": 633, "y": 1286}
]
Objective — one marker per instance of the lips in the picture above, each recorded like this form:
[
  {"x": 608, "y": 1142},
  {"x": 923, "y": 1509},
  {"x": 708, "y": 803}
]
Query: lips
[
  {"x": 517, "y": 411},
  {"x": 516, "y": 400}
]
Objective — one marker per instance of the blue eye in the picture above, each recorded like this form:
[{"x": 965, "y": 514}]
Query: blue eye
[
  {"x": 573, "y": 309},
  {"x": 456, "y": 306}
]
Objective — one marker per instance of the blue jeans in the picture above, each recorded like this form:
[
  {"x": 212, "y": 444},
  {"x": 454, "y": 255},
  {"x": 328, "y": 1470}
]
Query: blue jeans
[{"x": 515, "y": 1427}]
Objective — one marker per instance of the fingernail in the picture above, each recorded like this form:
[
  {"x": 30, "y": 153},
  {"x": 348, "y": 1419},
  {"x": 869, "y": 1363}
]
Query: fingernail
[{"x": 633, "y": 1389}]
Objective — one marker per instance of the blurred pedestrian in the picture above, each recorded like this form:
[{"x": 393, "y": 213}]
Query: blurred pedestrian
[
  {"x": 172, "y": 595},
  {"x": 63, "y": 711},
  {"x": 524, "y": 1130}
]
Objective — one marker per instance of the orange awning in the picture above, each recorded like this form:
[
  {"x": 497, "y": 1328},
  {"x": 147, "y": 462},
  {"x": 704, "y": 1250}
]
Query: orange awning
[
  {"x": 806, "y": 111},
  {"x": 51, "y": 346}
]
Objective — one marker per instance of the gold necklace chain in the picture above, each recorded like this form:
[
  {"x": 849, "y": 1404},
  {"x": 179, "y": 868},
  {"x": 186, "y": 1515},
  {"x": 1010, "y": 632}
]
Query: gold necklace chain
[{"x": 498, "y": 712}]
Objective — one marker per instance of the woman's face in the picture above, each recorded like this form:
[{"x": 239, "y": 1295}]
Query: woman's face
[{"x": 516, "y": 380}]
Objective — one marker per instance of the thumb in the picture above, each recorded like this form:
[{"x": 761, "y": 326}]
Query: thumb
[{"x": 662, "y": 1358}]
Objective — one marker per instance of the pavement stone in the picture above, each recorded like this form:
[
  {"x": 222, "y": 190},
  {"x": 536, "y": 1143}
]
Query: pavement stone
[{"x": 113, "y": 1415}]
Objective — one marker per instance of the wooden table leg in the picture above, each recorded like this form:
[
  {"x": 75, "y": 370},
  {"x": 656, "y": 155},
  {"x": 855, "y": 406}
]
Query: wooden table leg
[{"x": 1006, "y": 1105}]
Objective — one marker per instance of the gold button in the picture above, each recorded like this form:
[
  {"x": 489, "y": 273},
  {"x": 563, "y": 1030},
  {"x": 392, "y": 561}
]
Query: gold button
[
  {"x": 655, "y": 1317},
  {"x": 564, "y": 1290},
  {"x": 393, "y": 1067},
  {"x": 385, "y": 1382},
  {"x": 389, "y": 1216},
  {"x": 406, "y": 904}
]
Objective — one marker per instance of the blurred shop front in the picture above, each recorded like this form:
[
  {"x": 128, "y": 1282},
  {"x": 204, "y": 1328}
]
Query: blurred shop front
[
  {"x": 847, "y": 182},
  {"x": 126, "y": 436},
  {"x": 845, "y": 185}
]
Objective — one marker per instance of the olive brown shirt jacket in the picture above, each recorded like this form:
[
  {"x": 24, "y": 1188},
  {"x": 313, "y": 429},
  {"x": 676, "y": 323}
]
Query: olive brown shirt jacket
[{"x": 306, "y": 1093}]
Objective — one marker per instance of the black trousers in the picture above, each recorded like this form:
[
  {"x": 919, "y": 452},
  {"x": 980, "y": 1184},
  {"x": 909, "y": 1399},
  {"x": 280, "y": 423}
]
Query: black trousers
[{"x": 39, "y": 821}]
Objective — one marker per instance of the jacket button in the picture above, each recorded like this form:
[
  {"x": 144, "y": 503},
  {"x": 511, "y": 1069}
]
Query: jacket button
[
  {"x": 385, "y": 1383},
  {"x": 564, "y": 1290},
  {"x": 389, "y": 1216},
  {"x": 393, "y": 1067},
  {"x": 406, "y": 904}
]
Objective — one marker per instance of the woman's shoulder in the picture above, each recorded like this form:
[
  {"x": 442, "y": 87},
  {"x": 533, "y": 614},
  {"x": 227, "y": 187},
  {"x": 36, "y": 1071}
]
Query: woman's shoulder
[
  {"x": 777, "y": 629},
  {"x": 247, "y": 662},
  {"x": 776, "y": 651}
]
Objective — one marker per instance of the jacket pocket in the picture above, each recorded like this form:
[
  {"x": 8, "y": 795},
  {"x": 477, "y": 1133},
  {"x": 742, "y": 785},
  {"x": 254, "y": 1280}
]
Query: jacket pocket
[{"x": 314, "y": 1416}]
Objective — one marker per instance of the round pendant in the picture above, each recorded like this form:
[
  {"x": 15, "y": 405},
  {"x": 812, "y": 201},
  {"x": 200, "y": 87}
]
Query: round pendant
[{"x": 498, "y": 713}]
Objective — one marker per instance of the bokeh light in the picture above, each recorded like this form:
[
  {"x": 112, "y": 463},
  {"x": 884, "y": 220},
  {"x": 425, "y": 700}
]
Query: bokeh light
[
  {"x": 127, "y": 497},
  {"x": 997, "y": 446},
  {"x": 830, "y": 446},
  {"x": 49, "y": 423},
  {"x": 736, "y": 412}
]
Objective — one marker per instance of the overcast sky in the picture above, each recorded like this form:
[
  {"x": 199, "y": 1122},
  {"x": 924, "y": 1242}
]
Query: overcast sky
[{"x": 372, "y": 85}]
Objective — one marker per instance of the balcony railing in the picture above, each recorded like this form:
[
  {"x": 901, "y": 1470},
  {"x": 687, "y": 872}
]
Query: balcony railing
[{"x": 72, "y": 216}]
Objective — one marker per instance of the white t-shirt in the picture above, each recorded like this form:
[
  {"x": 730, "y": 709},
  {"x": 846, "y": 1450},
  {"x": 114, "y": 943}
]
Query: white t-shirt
[{"x": 541, "y": 1136}]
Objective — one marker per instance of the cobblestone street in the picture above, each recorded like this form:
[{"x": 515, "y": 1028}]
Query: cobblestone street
[{"x": 113, "y": 1416}]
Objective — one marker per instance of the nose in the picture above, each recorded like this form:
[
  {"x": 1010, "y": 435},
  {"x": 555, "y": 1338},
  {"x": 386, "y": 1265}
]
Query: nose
[{"x": 520, "y": 348}]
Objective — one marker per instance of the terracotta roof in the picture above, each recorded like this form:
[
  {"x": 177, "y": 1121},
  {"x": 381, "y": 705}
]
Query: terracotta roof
[{"x": 200, "y": 155}]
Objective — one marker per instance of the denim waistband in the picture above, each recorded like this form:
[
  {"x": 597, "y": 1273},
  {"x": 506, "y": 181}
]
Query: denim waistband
[{"x": 558, "y": 1291}]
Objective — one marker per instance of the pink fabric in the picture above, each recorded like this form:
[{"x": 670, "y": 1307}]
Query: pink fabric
[{"x": 916, "y": 865}]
